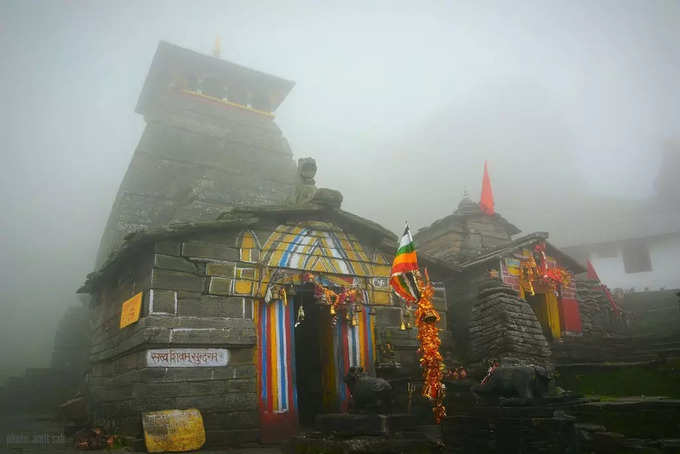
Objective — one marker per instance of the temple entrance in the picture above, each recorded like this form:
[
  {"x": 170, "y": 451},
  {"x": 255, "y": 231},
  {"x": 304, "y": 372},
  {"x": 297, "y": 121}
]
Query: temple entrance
[
  {"x": 308, "y": 358},
  {"x": 547, "y": 312}
]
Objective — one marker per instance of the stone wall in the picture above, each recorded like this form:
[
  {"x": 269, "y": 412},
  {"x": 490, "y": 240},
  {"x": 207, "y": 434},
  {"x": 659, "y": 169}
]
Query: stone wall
[
  {"x": 503, "y": 326},
  {"x": 594, "y": 307},
  {"x": 462, "y": 290},
  {"x": 405, "y": 342},
  {"x": 458, "y": 237},
  {"x": 184, "y": 306},
  {"x": 198, "y": 292},
  {"x": 653, "y": 313},
  {"x": 195, "y": 159}
]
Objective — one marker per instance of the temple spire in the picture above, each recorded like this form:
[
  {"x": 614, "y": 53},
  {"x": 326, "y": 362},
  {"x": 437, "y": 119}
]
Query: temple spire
[{"x": 486, "y": 200}]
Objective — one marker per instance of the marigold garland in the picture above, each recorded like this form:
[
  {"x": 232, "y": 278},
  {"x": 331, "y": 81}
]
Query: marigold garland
[
  {"x": 348, "y": 299},
  {"x": 533, "y": 272},
  {"x": 430, "y": 359}
]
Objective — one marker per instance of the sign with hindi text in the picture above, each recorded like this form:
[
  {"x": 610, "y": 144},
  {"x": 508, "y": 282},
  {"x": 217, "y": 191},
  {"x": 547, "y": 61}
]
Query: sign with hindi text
[{"x": 187, "y": 357}]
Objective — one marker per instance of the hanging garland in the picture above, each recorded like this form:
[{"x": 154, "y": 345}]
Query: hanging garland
[
  {"x": 430, "y": 359},
  {"x": 535, "y": 272},
  {"x": 348, "y": 299}
]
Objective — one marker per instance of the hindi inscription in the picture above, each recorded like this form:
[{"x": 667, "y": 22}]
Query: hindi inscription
[{"x": 187, "y": 357}]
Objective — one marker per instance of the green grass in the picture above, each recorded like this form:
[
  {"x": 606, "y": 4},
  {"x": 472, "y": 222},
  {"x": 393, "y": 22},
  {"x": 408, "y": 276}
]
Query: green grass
[{"x": 619, "y": 381}]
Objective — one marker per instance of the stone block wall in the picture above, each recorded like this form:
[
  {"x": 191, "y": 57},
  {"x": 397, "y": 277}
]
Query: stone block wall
[
  {"x": 195, "y": 160},
  {"x": 462, "y": 292},
  {"x": 198, "y": 293},
  {"x": 503, "y": 326},
  {"x": 404, "y": 344},
  {"x": 188, "y": 303},
  {"x": 594, "y": 307}
]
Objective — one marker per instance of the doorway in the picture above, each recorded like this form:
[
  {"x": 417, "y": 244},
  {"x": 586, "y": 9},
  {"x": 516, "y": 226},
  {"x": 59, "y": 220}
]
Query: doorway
[
  {"x": 308, "y": 357},
  {"x": 546, "y": 309}
]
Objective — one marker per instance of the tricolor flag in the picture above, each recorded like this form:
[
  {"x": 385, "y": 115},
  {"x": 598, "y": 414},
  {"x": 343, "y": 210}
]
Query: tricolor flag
[{"x": 402, "y": 278}]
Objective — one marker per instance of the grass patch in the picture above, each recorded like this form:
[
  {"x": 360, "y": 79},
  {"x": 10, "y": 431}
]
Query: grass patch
[{"x": 619, "y": 381}]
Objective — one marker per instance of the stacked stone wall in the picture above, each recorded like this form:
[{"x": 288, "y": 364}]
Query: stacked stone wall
[
  {"x": 187, "y": 304},
  {"x": 462, "y": 296},
  {"x": 198, "y": 292},
  {"x": 195, "y": 160},
  {"x": 503, "y": 326},
  {"x": 594, "y": 307}
]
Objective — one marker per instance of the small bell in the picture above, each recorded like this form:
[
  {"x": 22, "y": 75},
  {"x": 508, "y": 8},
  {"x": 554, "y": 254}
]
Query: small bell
[
  {"x": 348, "y": 316},
  {"x": 430, "y": 316},
  {"x": 355, "y": 319},
  {"x": 300, "y": 316},
  {"x": 402, "y": 327},
  {"x": 332, "y": 310}
]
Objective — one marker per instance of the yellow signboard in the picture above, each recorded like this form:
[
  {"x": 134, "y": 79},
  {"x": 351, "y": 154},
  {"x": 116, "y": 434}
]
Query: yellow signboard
[
  {"x": 131, "y": 310},
  {"x": 173, "y": 430}
]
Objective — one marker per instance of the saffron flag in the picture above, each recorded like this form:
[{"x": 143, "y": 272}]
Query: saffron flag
[
  {"x": 402, "y": 277},
  {"x": 486, "y": 200}
]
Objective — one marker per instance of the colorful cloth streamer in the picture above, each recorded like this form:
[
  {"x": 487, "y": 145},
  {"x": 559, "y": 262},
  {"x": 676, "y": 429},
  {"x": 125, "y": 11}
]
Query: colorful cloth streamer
[{"x": 277, "y": 389}]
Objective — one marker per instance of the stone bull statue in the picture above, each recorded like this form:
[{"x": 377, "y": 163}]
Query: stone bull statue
[
  {"x": 528, "y": 383},
  {"x": 369, "y": 394}
]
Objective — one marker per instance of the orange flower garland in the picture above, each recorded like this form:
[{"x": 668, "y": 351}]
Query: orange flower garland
[
  {"x": 537, "y": 272},
  {"x": 430, "y": 359}
]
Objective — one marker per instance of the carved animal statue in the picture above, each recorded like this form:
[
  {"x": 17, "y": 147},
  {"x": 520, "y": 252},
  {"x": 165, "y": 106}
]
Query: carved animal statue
[
  {"x": 527, "y": 383},
  {"x": 369, "y": 394}
]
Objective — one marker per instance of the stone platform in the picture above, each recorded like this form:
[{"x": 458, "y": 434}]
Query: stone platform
[
  {"x": 349, "y": 424},
  {"x": 342, "y": 433}
]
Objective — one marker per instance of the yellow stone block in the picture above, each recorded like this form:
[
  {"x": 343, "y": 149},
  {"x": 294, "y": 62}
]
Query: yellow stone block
[{"x": 173, "y": 430}]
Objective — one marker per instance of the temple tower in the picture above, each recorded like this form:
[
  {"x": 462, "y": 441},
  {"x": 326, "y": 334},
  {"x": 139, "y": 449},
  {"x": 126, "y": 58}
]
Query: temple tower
[
  {"x": 466, "y": 233},
  {"x": 210, "y": 143}
]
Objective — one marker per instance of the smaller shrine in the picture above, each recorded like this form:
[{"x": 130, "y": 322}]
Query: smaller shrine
[{"x": 510, "y": 298}]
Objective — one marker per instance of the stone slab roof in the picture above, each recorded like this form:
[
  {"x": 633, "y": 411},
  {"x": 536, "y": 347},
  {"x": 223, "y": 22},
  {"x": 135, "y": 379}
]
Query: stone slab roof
[
  {"x": 466, "y": 209},
  {"x": 171, "y": 60},
  {"x": 238, "y": 218},
  {"x": 570, "y": 263}
]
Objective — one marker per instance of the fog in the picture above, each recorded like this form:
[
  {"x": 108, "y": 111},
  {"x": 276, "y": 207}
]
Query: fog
[{"x": 400, "y": 104}]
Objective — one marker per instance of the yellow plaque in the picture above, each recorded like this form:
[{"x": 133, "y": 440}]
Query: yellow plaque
[
  {"x": 173, "y": 430},
  {"x": 131, "y": 310}
]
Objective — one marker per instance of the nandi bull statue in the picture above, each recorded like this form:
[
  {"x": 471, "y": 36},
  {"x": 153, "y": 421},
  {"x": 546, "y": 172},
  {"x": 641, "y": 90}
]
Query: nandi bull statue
[
  {"x": 525, "y": 383},
  {"x": 369, "y": 394}
]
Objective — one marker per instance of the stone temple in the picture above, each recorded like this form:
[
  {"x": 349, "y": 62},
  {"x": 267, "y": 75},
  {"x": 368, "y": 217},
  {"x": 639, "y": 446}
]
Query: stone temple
[
  {"x": 217, "y": 269},
  {"x": 224, "y": 243}
]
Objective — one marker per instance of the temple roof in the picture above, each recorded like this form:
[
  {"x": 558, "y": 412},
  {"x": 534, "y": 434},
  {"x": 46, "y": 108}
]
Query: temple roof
[
  {"x": 466, "y": 209},
  {"x": 238, "y": 218},
  {"x": 564, "y": 259},
  {"x": 171, "y": 62}
]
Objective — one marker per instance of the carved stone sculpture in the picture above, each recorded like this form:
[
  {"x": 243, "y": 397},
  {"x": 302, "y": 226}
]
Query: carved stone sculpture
[
  {"x": 528, "y": 383},
  {"x": 369, "y": 394},
  {"x": 305, "y": 187}
]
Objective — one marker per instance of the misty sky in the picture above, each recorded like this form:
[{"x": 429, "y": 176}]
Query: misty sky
[{"x": 399, "y": 103}]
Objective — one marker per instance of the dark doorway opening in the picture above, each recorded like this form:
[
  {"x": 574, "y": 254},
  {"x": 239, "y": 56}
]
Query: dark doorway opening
[{"x": 308, "y": 357}]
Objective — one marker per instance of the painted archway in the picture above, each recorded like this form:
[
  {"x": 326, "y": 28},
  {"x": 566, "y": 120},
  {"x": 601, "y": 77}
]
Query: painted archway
[{"x": 337, "y": 258}]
